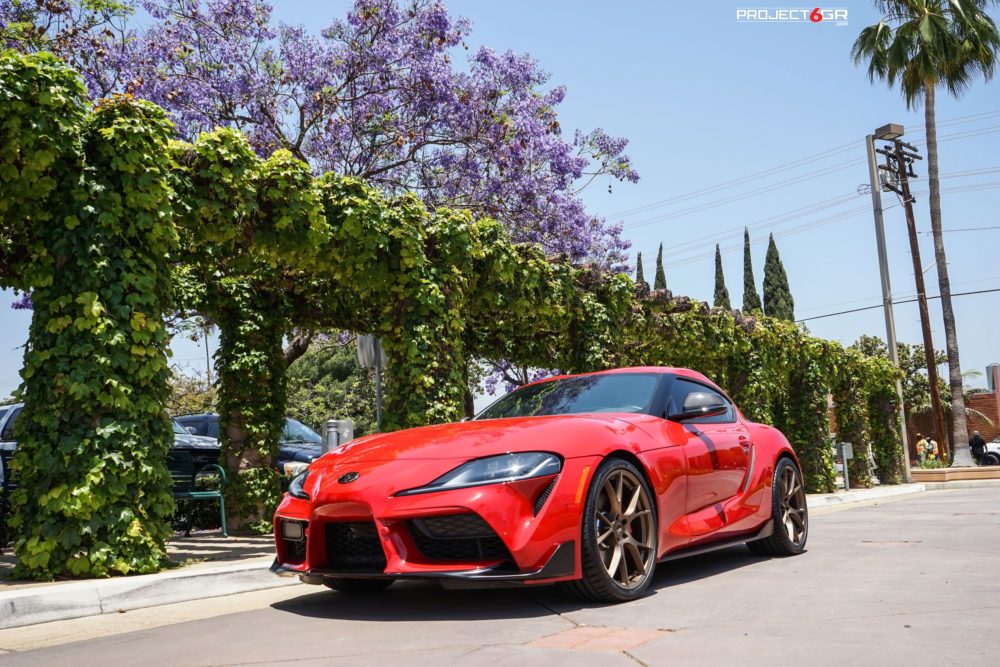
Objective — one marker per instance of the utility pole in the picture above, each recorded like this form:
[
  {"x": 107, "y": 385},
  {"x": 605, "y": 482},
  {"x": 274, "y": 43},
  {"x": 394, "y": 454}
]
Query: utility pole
[
  {"x": 899, "y": 163},
  {"x": 883, "y": 265}
]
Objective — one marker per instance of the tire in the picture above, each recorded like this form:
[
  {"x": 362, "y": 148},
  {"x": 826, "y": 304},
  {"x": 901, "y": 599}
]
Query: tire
[
  {"x": 991, "y": 459},
  {"x": 618, "y": 548},
  {"x": 789, "y": 514},
  {"x": 357, "y": 585}
]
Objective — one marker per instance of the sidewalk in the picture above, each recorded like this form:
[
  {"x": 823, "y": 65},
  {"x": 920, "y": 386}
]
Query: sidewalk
[
  {"x": 209, "y": 565},
  {"x": 213, "y": 566}
]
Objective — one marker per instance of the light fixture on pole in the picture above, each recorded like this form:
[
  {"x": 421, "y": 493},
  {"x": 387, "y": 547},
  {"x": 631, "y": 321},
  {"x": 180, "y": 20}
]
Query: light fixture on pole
[{"x": 887, "y": 132}]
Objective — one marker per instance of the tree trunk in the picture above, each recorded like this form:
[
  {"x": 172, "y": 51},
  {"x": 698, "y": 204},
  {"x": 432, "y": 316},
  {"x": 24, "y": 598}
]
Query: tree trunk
[
  {"x": 961, "y": 456},
  {"x": 298, "y": 345}
]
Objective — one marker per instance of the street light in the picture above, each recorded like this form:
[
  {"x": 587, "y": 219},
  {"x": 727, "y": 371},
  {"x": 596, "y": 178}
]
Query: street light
[{"x": 887, "y": 132}]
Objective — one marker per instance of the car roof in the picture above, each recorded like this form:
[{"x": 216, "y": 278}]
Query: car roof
[{"x": 660, "y": 370}]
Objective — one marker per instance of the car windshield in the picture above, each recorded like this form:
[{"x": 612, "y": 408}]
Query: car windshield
[
  {"x": 612, "y": 392},
  {"x": 178, "y": 429},
  {"x": 296, "y": 431}
]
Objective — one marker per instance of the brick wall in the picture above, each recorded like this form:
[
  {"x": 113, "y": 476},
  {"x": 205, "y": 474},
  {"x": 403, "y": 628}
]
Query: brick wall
[
  {"x": 987, "y": 404},
  {"x": 983, "y": 402}
]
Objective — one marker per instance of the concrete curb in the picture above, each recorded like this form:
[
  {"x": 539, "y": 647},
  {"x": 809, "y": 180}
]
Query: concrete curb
[
  {"x": 817, "y": 500},
  {"x": 31, "y": 605},
  {"x": 962, "y": 484}
]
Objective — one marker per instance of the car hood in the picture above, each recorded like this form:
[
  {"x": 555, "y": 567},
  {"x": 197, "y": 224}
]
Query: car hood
[
  {"x": 299, "y": 451},
  {"x": 194, "y": 442},
  {"x": 567, "y": 435}
]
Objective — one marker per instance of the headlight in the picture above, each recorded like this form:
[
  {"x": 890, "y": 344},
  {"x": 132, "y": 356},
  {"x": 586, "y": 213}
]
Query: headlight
[
  {"x": 295, "y": 487},
  {"x": 493, "y": 470},
  {"x": 293, "y": 468}
]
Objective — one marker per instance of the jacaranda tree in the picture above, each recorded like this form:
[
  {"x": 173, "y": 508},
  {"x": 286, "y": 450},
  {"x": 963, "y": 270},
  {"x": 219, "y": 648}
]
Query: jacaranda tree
[{"x": 378, "y": 95}]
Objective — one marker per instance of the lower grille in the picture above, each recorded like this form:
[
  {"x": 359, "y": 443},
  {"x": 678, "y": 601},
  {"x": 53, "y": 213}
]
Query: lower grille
[
  {"x": 353, "y": 545},
  {"x": 295, "y": 551},
  {"x": 457, "y": 537}
]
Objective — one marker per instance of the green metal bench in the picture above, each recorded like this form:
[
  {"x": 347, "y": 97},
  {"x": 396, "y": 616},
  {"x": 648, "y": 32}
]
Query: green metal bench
[{"x": 185, "y": 473}]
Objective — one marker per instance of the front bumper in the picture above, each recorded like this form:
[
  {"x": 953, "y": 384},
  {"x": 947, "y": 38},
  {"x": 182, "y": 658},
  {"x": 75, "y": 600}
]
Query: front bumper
[
  {"x": 561, "y": 565},
  {"x": 530, "y": 531}
]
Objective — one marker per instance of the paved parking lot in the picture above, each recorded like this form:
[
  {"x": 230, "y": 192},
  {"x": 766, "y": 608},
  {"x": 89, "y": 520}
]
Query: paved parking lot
[{"x": 913, "y": 581}]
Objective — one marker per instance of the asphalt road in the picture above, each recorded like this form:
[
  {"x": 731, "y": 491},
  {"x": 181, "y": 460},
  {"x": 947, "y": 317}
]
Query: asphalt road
[{"x": 913, "y": 581}]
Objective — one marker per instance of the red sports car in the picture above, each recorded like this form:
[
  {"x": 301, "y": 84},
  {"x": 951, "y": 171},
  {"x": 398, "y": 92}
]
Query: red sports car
[{"x": 586, "y": 479}]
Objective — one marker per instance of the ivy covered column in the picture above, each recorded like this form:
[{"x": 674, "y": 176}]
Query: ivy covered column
[
  {"x": 94, "y": 497},
  {"x": 423, "y": 321},
  {"x": 884, "y": 421},
  {"x": 251, "y": 369},
  {"x": 850, "y": 397},
  {"x": 806, "y": 422}
]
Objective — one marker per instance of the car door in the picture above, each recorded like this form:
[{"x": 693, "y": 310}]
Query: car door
[{"x": 717, "y": 453}]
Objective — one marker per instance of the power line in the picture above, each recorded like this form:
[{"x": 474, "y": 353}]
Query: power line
[
  {"x": 804, "y": 211},
  {"x": 736, "y": 181},
  {"x": 836, "y": 150},
  {"x": 747, "y": 194},
  {"x": 895, "y": 303},
  {"x": 794, "y": 181},
  {"x": 966, "y": 229},
  {"x": 902, "y": 295}
]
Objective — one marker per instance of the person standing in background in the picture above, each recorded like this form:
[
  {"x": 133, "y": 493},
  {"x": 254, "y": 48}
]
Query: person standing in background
[{"x": 978, "y": 447}]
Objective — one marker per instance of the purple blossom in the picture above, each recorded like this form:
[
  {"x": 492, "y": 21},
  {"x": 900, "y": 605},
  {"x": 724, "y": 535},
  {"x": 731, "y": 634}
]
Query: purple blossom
[
  {"x": 22, "y": 301},
  {"x": 513, "y": 377},
  {"x": 376, "y": 94}
]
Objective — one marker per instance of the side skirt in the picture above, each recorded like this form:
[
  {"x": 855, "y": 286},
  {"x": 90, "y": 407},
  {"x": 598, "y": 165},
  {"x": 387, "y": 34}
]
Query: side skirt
[{"x": 766, "y": 531}]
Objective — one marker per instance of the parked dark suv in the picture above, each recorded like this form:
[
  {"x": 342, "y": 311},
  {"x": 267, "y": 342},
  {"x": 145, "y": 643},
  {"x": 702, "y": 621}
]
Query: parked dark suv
[
  {"x": 298, "y": 446},
  {"x": 204, "y": 449}
]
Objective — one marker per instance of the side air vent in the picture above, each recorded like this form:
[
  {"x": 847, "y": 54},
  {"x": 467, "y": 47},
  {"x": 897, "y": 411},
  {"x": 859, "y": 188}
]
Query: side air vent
[{"x": 543, "y": 496}]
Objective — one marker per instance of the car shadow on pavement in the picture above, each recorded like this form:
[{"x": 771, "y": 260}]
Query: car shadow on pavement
[{"x": 428, "y": 601}]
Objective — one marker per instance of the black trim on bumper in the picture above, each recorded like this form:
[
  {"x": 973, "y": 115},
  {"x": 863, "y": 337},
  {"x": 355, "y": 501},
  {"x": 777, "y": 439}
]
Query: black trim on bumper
[{"x": 562, "y": 563}]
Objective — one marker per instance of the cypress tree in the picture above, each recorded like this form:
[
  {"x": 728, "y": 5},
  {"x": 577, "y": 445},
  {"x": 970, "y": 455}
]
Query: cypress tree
[
  {"x": 721, "y": 293},
  {"x": 778, "y": 300},
  {"x": 639, "y": 278},
  {"x": 751, "y": 299},
  {"x": 660, "y": 282}
]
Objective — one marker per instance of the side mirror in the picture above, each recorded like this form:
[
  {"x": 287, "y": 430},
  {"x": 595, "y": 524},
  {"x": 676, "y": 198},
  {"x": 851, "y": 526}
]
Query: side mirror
[
  {"x": 191, "y": 429},
  {"x": 700, "y": 404}
]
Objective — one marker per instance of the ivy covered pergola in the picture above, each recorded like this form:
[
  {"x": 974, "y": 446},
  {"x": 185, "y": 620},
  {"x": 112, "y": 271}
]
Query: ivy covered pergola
[{"x": 112, "y": 224}]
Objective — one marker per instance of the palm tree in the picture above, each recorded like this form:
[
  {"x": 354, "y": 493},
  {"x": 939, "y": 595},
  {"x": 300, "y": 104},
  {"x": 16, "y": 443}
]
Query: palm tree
[{"x": 921, "y": 45}]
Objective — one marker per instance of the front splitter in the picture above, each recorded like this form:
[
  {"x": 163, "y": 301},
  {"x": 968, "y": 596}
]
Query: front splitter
[{"x": 561, "y": 564}]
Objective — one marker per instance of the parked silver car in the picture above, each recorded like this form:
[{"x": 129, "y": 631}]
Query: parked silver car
[{"x": 992, "y": 455}]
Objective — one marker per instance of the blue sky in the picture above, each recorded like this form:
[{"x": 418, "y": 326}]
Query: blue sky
[{"x": 704, "y": 101}]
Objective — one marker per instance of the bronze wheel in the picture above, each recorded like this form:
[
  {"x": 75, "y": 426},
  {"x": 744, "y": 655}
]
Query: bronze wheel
[
  {"x": 619, "y": 534},
  {"x": 790, "y": 515}
]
